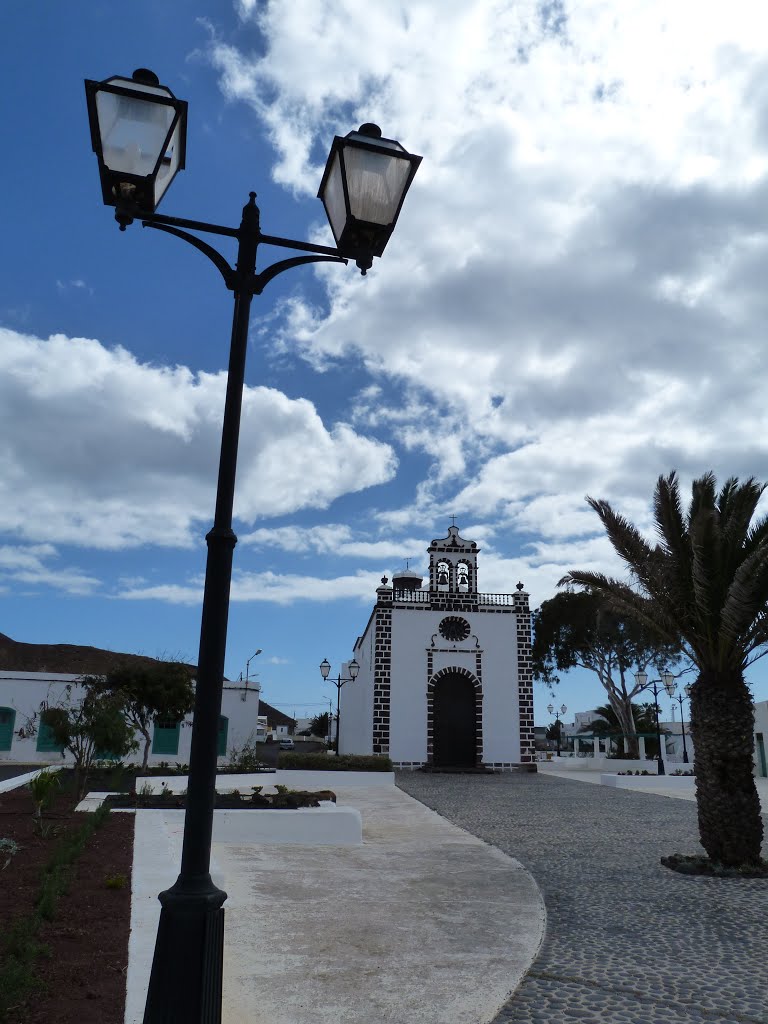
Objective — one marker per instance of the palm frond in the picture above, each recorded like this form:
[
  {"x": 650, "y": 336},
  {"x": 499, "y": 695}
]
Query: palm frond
[
  {"x": 627, "y": 600},
  {"x": 627, "y": 541}
]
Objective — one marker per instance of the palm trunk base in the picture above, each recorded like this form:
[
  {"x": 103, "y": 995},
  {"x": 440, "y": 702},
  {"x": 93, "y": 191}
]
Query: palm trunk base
[{"x": 730, "y": 818}]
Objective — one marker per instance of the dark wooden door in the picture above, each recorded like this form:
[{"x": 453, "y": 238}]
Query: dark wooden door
[{"x": 454, "y": 722}]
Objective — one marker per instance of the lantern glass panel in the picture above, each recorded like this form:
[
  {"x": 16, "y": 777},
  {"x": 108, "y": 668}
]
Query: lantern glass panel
[
  {"x": 334, "y": 198},
  {"x": 375, "y": 182},
  {"x": 133, "y": 130},
  {"x": 169, "y": 164}
]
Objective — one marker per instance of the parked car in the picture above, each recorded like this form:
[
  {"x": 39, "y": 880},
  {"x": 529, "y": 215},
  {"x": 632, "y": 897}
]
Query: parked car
[{"x": 287, "y": 744}]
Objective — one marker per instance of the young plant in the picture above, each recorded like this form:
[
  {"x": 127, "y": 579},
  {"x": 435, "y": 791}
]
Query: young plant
[
  {"x": 115, "y": 882},
  {"x": 43, "y": 789},
  {"x": 8, "y": 849}
]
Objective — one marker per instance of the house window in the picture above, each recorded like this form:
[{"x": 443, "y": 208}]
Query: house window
[
  {"x": 165, "y": 739},
  {"x": 7, "y": 722},
  {"x": 223, "y": 730},
  {"x": 46, "y": 742}
]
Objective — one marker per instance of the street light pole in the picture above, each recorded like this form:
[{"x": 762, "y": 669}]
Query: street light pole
[
  {"x": 138, "y": 132},
  {"x": 669, "y": 685},
  {"x": 562, "y": 711},
  {"x": 256, "y": 653},
  {"x": 338, "y": 682}
]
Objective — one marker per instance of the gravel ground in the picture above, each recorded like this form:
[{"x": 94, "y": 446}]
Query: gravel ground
[{"x": 627, "y": 940}]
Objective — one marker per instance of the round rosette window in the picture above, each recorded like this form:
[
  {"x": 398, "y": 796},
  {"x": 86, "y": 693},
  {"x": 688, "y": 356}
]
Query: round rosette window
[{"x": 454, "y": 628}]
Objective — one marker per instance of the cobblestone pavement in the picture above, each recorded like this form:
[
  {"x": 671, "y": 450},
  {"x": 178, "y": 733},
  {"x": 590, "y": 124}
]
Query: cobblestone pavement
[{"x": 627, "y": 941}]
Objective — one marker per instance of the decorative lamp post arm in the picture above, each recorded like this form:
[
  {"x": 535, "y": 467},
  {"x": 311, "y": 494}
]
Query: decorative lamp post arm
[{"x": 244, "y": 278}]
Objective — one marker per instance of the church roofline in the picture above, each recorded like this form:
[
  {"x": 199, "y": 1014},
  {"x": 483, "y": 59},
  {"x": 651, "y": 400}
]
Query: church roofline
[{"x": 453, "y": 542}]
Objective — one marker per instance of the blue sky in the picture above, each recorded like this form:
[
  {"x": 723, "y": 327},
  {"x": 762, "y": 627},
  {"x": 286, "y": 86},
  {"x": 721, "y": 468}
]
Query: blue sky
[{"x": 573, "y": 303}]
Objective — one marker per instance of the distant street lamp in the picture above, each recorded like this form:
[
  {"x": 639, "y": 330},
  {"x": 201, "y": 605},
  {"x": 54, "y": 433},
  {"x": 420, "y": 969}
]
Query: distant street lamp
[
  {"x": 558, "y": 724},
  {"x": 138, "y": 132},
  {"x": 679, "y": 698},
  {"x": 669, "y": 685},
  {"x": 338, "y": 682}
]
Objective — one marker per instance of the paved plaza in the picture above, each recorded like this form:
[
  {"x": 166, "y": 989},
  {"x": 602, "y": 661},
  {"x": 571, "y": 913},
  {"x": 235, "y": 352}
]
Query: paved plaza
[{"x": 627, "y": 941}]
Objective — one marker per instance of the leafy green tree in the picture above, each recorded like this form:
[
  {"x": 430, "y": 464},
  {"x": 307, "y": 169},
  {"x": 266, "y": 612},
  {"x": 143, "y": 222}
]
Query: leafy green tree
[
  {"x": 88, "y": 727},
  {"x": 705, "y": 585},
  {"x": 319, "y": 724},
  {"x": 577, "y": 629},
  {"x": 148, "y": 692}
]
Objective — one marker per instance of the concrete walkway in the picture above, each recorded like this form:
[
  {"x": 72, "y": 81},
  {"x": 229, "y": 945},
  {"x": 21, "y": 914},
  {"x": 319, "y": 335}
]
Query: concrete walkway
[{"x": 422, "y": 924}]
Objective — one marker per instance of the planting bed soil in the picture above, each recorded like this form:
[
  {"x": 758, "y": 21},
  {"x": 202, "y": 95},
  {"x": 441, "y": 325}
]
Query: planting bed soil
[{"x": 83, "y": 975}]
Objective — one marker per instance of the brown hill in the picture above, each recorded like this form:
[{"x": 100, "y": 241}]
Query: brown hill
[{"x": 67, "y": 658}]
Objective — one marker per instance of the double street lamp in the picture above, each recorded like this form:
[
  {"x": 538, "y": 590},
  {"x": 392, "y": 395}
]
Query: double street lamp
[
  {"x": 558, "y": 723},
  {"x": 325, "y": 668},
  {"x": 680, "y": 698},
  {"x": 138, "y": 132},
  {"x": 669, "y": 685}
]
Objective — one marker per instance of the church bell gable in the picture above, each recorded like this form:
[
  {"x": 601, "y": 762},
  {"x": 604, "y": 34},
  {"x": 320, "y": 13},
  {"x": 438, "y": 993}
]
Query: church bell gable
[{"x": 453, "y": 564}]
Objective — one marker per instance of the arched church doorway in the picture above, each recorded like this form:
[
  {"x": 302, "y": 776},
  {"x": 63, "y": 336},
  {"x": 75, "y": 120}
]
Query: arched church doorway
[{"x": 454, "y": 712}]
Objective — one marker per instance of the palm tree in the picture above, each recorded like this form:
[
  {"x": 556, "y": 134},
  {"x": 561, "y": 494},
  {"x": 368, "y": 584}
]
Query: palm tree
[
  {"x": 609, "y": 724},
  {"x": 705, "y": 585}
]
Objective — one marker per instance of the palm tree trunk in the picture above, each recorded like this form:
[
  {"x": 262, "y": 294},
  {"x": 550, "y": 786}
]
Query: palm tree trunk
[{"x": 722, "y": 725}]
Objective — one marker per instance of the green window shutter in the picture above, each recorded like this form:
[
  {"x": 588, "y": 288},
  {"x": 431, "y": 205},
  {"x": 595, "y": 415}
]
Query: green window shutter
[
  {"x": 7, "y": 722},
  {"x": 223, "y": 730},
  {"x": 45, "y": 739},
  {"x": 165, "y": 737}
]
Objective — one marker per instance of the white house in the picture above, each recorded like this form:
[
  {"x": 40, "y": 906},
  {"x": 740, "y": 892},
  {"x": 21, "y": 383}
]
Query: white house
[
  {"x": 761, "y": 739},
  {"x": 21, "y": 694},
  {"x": 445, "y": 673}
]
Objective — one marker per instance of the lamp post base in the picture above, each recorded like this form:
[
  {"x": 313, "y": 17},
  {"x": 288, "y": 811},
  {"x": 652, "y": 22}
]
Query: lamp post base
[
  {"x": 185, "y": 983},
  {"x": 660, "y": 770}
]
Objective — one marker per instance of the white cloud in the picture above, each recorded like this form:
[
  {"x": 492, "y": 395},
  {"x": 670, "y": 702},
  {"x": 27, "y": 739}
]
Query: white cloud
[
  {"x": 30, "y": 565},
  {"x": 338, "y": 540},
  {"x": 101, "y": 450},
  {"x": 269, "y": 587},
  {"x": 577, "y": 276}
]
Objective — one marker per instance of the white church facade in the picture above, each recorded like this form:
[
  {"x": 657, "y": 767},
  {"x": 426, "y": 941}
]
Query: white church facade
[{"x": 445, "y": 677}]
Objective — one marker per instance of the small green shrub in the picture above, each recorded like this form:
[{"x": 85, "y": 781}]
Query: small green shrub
[
  {"x": 115, "y": 882},
  {"x": 246, "y": 758},
  {"x": 342, "y": 763}
]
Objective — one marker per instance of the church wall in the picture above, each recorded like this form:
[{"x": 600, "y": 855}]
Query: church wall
[
  {"x": 411, "y": 636},
  {"x": 356, "y": 736},
  {"x": 494, "y": 663},
  {"x": 501, "y": 734}
]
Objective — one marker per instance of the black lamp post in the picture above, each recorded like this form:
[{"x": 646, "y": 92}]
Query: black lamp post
[
  {"x": 138, "y": 132},
  {"x": 669, "y": 685},
  {"x": 679, "y": 698},
  {"x": 338, "y": 682},
  {"x": 558, "y": 725}
]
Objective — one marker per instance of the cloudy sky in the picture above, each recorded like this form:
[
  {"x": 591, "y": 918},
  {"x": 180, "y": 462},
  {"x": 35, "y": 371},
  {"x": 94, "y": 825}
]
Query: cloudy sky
[{"x": 573, "y": 302}]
